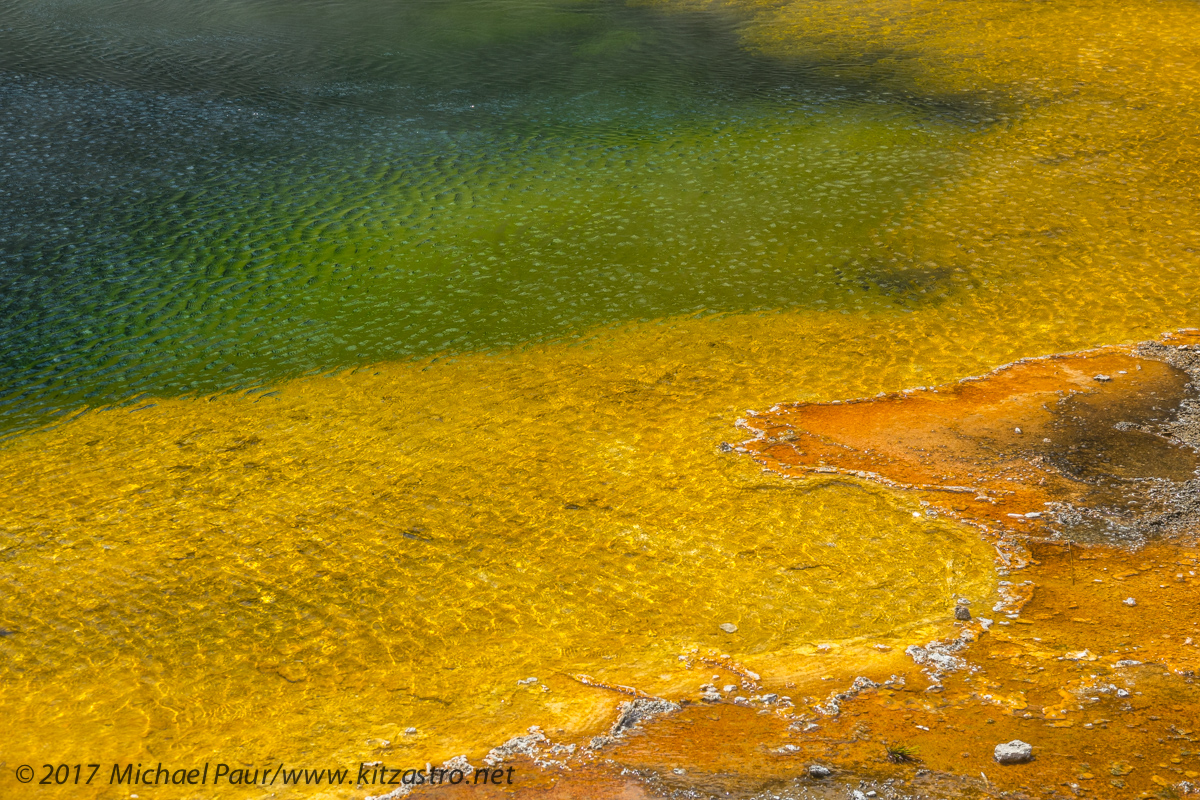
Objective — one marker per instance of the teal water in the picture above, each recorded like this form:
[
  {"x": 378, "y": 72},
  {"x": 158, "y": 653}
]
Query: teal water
[{"x": 205, "y": 198}]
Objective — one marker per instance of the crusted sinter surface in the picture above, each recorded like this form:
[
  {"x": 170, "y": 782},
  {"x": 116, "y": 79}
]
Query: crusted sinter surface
[
  {"x": 1102, "y": 445},
  {"x": 1182, "y": 502}
]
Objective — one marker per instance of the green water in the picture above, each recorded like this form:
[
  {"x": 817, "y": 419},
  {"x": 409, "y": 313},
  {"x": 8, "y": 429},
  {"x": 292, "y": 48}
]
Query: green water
[{"x": 202, "y": 198}]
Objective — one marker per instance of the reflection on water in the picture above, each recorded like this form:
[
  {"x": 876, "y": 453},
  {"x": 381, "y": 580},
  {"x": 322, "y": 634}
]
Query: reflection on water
[
  {"x": 202, "y": 198},
  {"x": 206, "y": 196}
]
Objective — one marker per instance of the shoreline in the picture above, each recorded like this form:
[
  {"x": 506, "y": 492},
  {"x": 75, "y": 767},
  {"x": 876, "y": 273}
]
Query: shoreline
[{"x": 944, "y": 669}]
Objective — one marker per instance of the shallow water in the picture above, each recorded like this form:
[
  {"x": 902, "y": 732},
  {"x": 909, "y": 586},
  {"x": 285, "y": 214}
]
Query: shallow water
[
  {"x": 585, "y": 237},
  {"x": 289, "y": 188}
]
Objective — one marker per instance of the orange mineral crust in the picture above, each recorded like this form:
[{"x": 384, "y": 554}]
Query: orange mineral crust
[
  {"x": 1101, "y": 688},
  {"x": 1092, "y": 444}
]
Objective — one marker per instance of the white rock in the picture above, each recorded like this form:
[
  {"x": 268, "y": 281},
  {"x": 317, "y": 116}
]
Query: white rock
[
  {"x": 1014, "y": 752},
  {"x": 1129, "y": 601}
]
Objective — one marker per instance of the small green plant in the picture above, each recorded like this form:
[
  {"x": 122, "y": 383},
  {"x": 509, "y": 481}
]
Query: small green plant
[{"x": 903, "y": 753}]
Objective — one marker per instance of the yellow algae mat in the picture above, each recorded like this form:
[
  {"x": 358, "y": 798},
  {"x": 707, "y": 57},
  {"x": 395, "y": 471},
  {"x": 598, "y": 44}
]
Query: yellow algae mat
[{"x": 397, "y": 548}]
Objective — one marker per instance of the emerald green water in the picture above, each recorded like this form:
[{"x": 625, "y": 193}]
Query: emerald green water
[{"x": 198, "y": 199}]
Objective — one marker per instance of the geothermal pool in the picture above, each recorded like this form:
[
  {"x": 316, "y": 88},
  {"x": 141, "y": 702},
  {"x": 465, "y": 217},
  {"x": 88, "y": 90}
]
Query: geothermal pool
[{"x": 362, "y": 361}]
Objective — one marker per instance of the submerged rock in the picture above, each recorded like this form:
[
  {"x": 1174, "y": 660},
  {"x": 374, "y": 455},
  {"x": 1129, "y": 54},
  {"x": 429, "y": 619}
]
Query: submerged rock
[{"x": 632, "y": 713}]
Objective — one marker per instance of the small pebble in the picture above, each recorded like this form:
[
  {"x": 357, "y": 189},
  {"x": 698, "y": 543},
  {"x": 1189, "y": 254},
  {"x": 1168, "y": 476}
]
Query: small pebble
[
  {"x": 1129, "y": 601},
  {"x": 819, "y": 771},
  {"x": 728, "y": 627},
  {"x": 1014, "y": 752},
  {"x": 1102, "y": 378}
]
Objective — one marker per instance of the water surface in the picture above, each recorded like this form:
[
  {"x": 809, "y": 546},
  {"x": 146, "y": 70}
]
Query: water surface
[{"x": 564, "y": 247}]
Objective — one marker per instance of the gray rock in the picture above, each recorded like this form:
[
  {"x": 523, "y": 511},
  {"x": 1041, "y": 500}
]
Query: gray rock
[
  {"x": 818, "y": 771},
  {"x": 633, "y": 712},
  {"x": 1102, "y": 378},
  {"x": 1014, "y": 752},
  {"x": 961, "y": 612},
  {"x": 728, "y": 627},
  {"x": 518, "y": 745}
]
